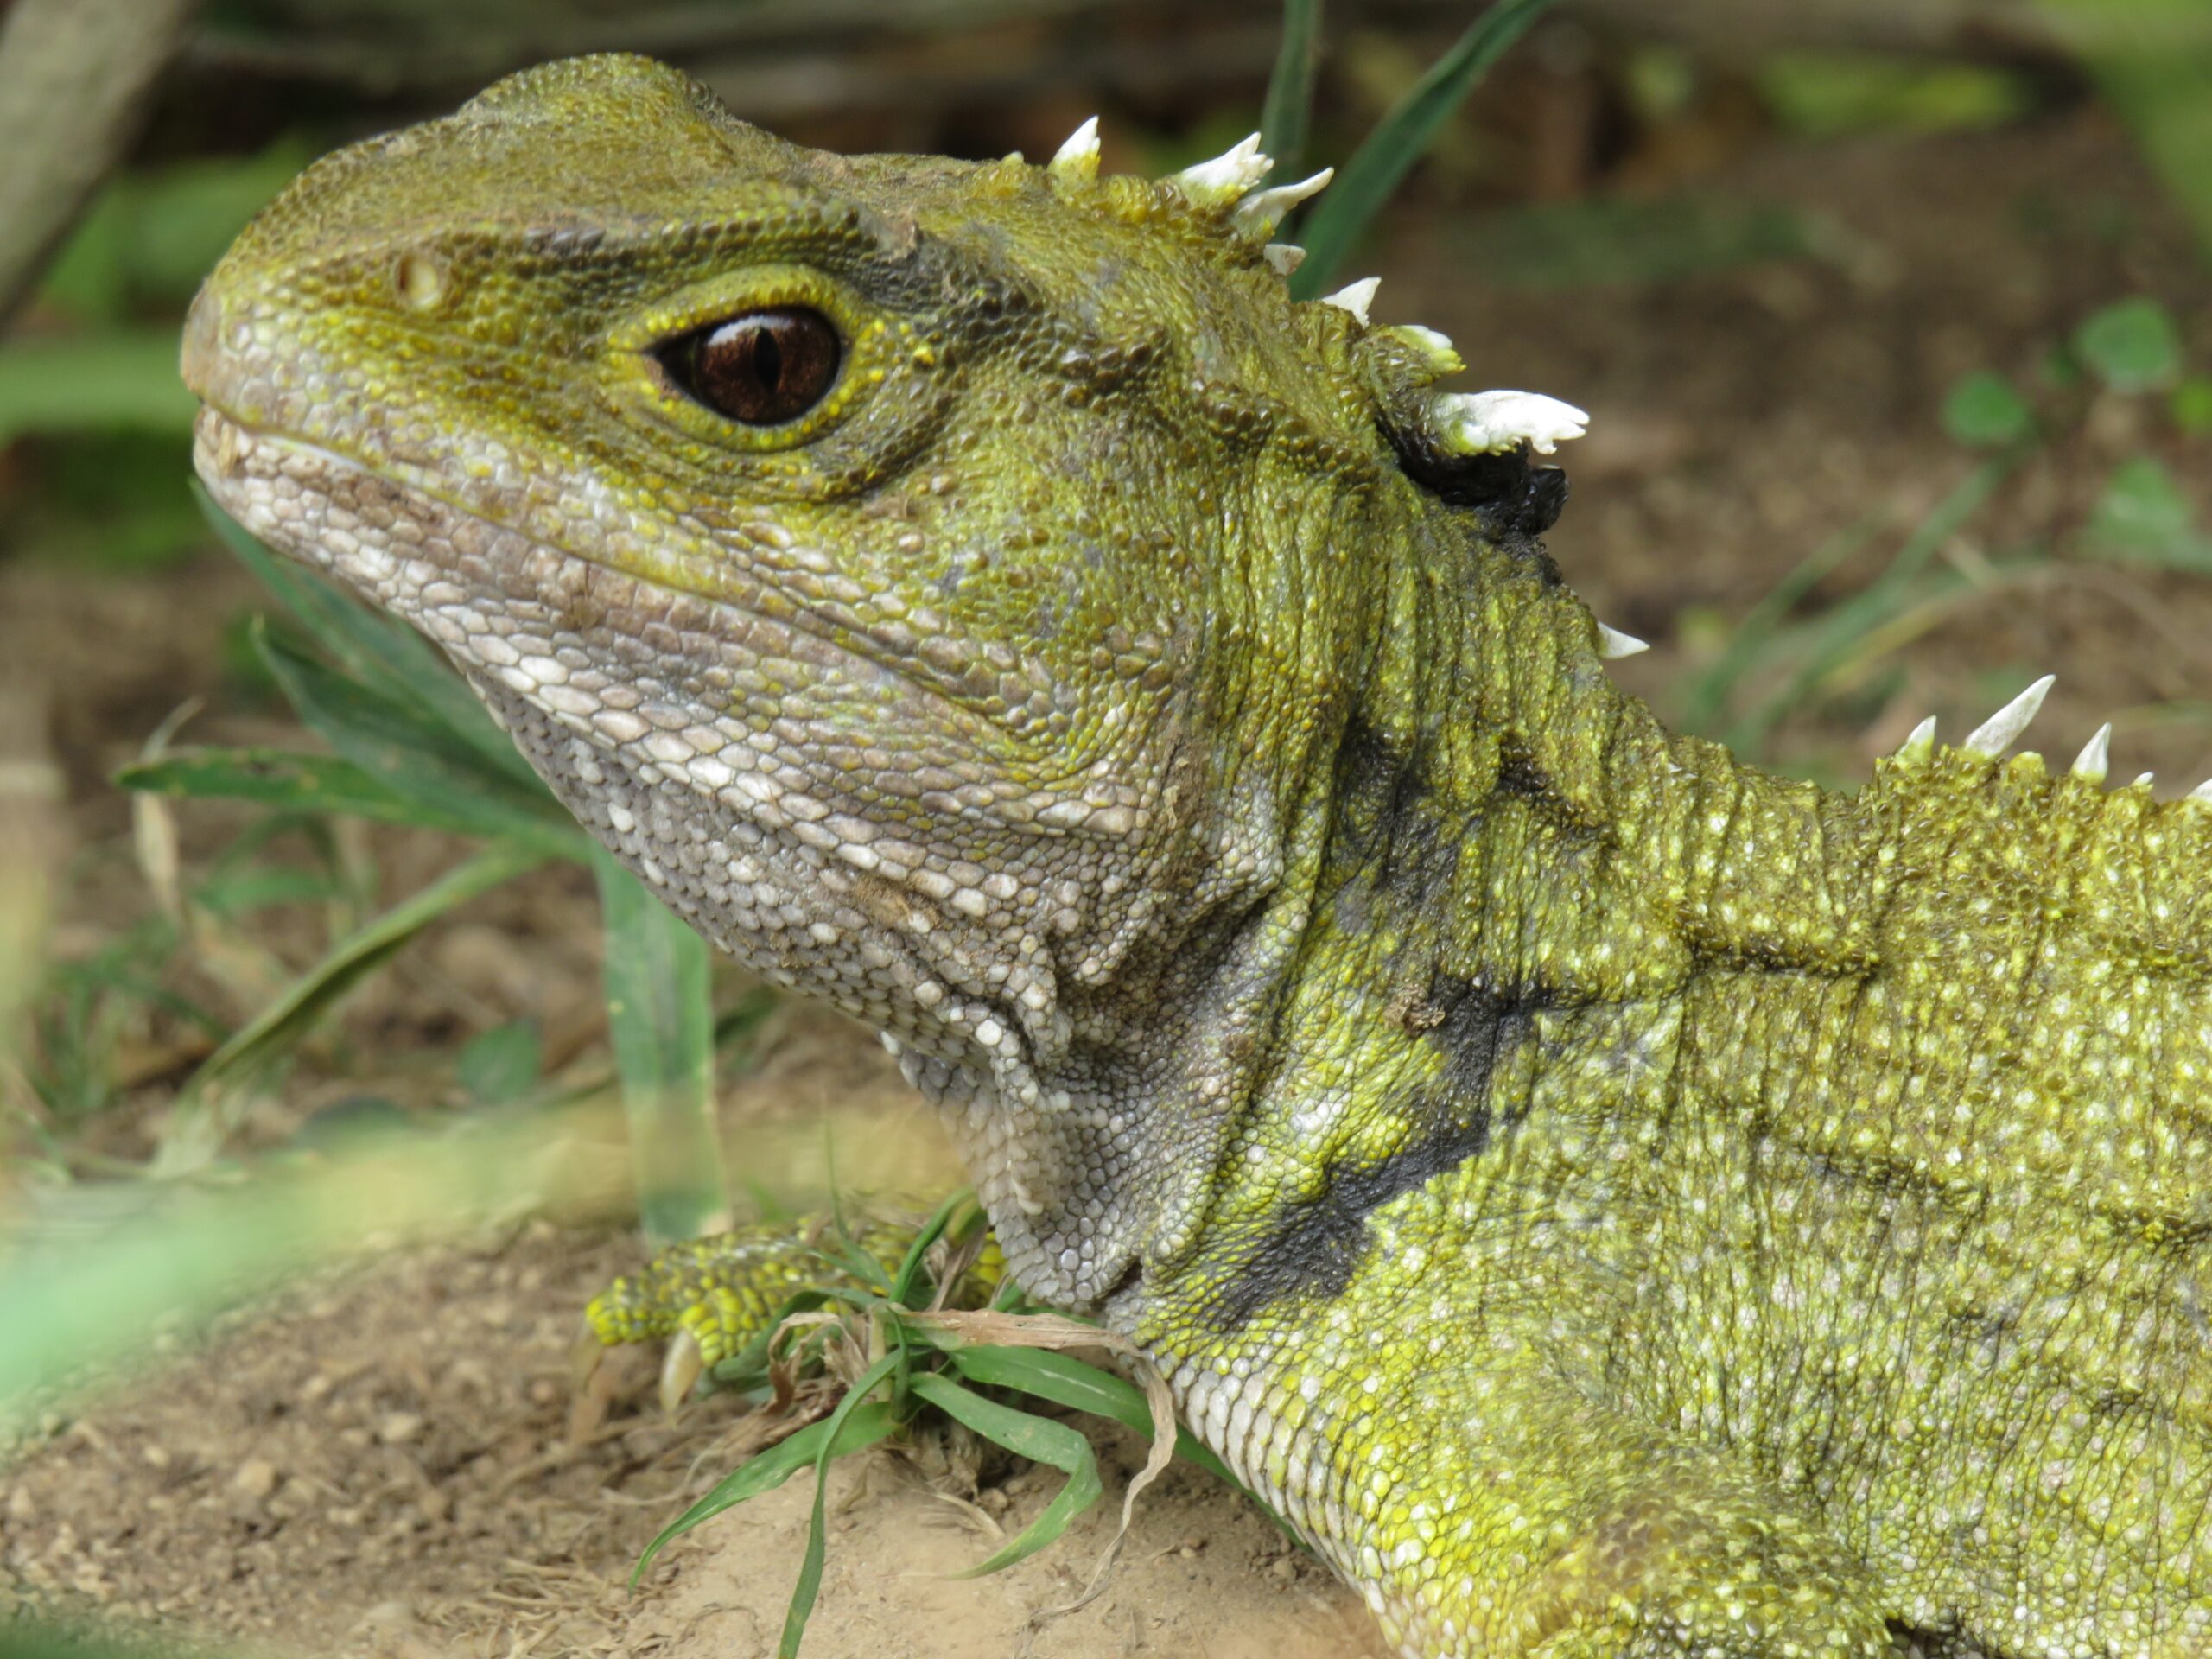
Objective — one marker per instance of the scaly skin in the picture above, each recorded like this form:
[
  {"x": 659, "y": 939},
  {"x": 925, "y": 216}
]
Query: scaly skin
[{"x": 1612, "y": 1200}]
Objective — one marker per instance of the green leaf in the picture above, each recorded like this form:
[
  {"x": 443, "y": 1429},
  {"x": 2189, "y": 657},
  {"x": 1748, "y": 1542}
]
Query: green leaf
[
  {"x": 280, "y": 1025},
  {"x": 1289, "y": 107},
  {"x": 747, "y": 1369},
  {"x": 413, "y": 754},
  {"x": 957, "y": 1216},
  {"x": 2131, "y": 346},
  {"x": 765, "y": 1471},
  {"x": 1038, "y": 1439},
  {"x": 809, "y": 1571},
  {"x": 2152, "y": 60},
  {"x": 2191, "y": 405},
  {"x": 94, "y": 382},
  {"x": 1827, "y": 94},
  {"x": 1365, "y": 182},
  {"x": 150, "y": 237},
  {"x": 319, "y": 784},
  {"x": 501, "y": 1065},
  {"x": 2058, "y": 368},
  {"x": 1068, "y": 1381},
  {"x": 2145, "y": 515},
  {"x": 379, "y": 650},
  {"x": 1984, "y": 413},
  {"x": 658, "y": 1006},
  {"x": 240, "y": 892}
]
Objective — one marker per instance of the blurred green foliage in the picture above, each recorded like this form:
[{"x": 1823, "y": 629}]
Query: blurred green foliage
[
  {"x": 2152, "y": 61},
  {"x": 1603, "y": 241},
  {"x": 153, "y": 234},
  {"x": 1829, "y": 95},
  {"x": 410, "y": 744},
  {"x": 1784, "y": 657},
  {"x": 1983, "y": 411},
  {"x": 2131, "y": 347}
]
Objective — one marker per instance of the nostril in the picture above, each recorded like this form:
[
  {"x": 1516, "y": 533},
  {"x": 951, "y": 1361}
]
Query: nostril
[{"x": 419, "y": 280}]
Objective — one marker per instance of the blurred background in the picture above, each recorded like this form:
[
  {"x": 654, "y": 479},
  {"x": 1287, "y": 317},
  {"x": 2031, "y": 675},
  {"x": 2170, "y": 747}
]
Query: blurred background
[{"x": 1893, "y": 321}]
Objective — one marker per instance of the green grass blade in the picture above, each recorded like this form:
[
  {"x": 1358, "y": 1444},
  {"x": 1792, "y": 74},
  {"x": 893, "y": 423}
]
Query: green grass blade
[
  {"x": 284, "y": 1021},
  {"x": 378, "y": 650},
  {"x": 765, "y": 1471},
  {"x": 1714, "y": 686},
  {"x": 960, "y": 1207},
  {"x": 2152, "y": 61},
  {"x": 1289, "y": 107},
  {"x": 504, "y": 1065},
  {"x": 316, "y": 784},
  {"x": 747, "y": 1369},
  {"x": 1069, "y": 1381},
  {"x": 817, "y": 1532},
  {"x": 664, "y": 1026},
  {"x": 1833, "y": 638},
  {"x": 1038, "y": 1439},
  {"x": 1364, "y": 183},
  {"x": 410, "y": 750}
]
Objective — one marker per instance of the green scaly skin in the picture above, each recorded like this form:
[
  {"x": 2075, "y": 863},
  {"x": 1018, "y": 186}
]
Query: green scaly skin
[{"x": 1613, "y": 1201}]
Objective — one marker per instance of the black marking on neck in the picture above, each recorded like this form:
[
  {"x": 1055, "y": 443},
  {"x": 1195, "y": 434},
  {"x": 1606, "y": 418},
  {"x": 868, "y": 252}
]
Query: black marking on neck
[
  {"x": 1390, "y": 838},
  {"x": 1475, "y": 1024},
  {"x": 1514, "y": 501},
  {"x": 1317, "y": 1244}
]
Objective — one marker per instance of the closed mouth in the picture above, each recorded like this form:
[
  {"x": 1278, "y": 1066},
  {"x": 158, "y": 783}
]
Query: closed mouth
[{"x": 224, "y": 442}]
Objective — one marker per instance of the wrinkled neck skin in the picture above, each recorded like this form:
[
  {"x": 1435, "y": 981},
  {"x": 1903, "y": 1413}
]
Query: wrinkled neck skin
[
  {"x": 1348, "y": 951},
  {"x": 1507, "y": 865}
]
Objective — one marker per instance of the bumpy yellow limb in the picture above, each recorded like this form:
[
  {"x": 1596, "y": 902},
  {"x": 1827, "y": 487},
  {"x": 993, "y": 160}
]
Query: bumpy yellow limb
[
  {"x": 724, "y": 1291},
  {"x": 1489, "y": 1501}
]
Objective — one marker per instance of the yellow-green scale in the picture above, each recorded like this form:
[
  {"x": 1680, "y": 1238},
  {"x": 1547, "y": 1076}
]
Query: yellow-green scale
[{"x": 1738, "y": 1247}]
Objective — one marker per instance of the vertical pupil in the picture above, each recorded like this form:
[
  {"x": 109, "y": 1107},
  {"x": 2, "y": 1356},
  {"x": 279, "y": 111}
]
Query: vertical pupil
[{"x": 763, "y": 368}]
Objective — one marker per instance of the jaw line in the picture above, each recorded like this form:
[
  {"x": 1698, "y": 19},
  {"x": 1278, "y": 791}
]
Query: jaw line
[
  {"x": 921, "y": 1035},
  {"x": 227, "y": 427}
]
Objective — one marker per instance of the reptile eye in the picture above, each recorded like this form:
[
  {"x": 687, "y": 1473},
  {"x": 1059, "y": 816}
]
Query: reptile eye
[{"x": 763, "y": 368}]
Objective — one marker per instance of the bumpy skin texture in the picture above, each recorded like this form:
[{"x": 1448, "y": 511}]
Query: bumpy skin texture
[{"x": 1612, "y": 1200}]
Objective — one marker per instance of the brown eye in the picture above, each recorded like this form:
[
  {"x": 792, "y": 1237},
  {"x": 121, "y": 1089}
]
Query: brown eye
[{"x": 763, "y": 368}]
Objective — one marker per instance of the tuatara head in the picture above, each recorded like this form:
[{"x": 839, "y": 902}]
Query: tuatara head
[{"x": 945, "y": 581}]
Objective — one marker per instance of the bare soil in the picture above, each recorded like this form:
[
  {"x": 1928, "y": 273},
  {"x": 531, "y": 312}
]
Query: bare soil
[{"x": 382, "y": 1466}]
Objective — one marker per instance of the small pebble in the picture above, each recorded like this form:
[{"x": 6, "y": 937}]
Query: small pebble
[
  {"x": 398, "y": 1427},
  {"x": 256, "y": 1477}
]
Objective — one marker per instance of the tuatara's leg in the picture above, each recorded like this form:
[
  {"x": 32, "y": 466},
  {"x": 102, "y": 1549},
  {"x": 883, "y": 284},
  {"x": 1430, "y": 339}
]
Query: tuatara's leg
[
  {"x": 1587, "y": 1538},
  {"x": 710, "y": 1297},
  {"x": 1693, "y": 1558},
  {"x": 1488, "y": 1500}
]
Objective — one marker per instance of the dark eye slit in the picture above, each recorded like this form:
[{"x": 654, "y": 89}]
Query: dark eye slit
[{"x": 759, "y": 368}]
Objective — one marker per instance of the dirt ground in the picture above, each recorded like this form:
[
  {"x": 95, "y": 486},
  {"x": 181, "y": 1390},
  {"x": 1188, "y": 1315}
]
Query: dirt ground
[{"x": 381, "y": 1468}]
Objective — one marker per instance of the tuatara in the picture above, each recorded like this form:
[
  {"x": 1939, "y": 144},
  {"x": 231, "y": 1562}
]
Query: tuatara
[{"x": 1612, "y": 1200}]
